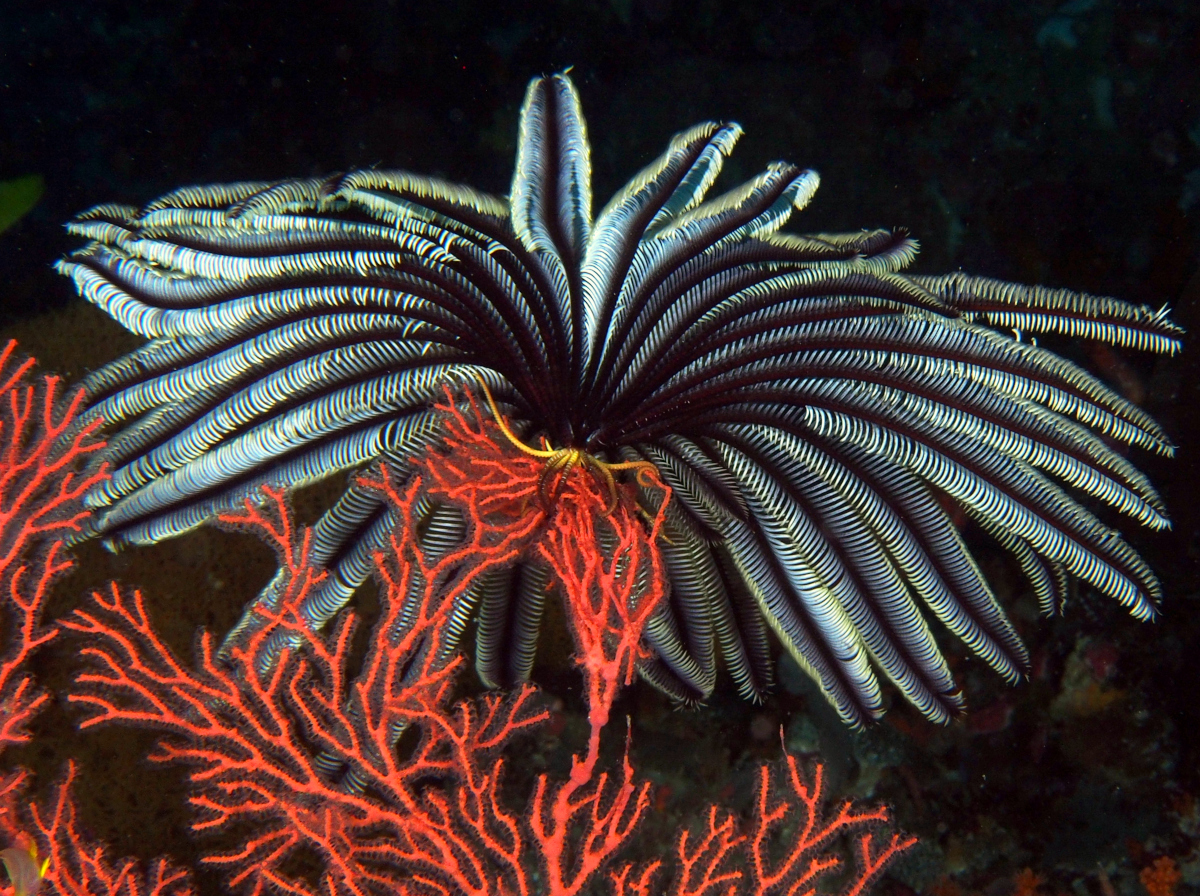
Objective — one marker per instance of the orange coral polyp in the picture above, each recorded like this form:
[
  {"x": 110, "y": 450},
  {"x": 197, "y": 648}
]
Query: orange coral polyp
[{"x": 1162, "y": 877}]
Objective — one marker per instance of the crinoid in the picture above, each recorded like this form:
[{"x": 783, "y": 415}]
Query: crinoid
[{"x": 811, "y": 406}]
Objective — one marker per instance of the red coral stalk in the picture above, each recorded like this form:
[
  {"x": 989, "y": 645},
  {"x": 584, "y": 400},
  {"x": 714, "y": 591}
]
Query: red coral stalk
[{"x": 609, "y": 594}]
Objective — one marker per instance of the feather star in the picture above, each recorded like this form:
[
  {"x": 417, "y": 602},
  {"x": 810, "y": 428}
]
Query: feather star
[{"x": 815, "y": 409}]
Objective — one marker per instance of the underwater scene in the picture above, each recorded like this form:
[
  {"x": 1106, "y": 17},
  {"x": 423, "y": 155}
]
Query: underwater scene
[{"x": 604, "y": 446}]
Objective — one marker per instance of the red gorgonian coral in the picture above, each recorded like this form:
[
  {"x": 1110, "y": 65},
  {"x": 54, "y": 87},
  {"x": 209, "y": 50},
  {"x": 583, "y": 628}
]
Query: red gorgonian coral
[{"x": 262, "y": 740}]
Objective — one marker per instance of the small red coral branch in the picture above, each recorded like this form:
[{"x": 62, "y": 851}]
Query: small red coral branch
[
  {"x": 610, "y": 592},
  {"x": 20, "y": 699},
  {"x": 790, "y": 845},
  {"x": 40, "y": 490},
  {"x": 40, "y": 493},
  {"x": 12, "y": 816},
  {"x": 77, "y": 866},
  {"x": 807, "y": 859}
]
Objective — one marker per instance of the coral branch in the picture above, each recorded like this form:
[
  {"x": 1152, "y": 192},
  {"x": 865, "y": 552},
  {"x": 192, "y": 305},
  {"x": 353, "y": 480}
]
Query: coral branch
[
  {"x": 40, "y": 452},
  {"x": 603, "y": 557},
  {"x": 708, "y": 864},
  {"x": 77, "y": 866},
  {"x": 807, "y": 858},
  {"x": 41, "y": 487},
  {"x": 607, "y": 817},
  {"x": 303, "y": 754},
  {"x": 260, "y": 741},
  {"x": 705, "y": 866}
]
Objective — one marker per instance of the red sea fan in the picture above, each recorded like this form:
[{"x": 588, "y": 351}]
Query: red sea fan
[
  {"x": 298, "y": 755},
  {"x": 261, "y": 739}
]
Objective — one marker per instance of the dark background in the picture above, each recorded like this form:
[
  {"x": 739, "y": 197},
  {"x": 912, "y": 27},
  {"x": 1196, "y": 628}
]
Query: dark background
[{"x": 1035, "y": 141}]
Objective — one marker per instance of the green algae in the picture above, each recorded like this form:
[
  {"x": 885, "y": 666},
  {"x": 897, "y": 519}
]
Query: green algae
[{"x": 17, "y": 197}]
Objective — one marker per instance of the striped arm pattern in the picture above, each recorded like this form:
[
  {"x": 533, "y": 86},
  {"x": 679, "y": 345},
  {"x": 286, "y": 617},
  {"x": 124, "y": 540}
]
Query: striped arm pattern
[{"x": 813, "y": 406}]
